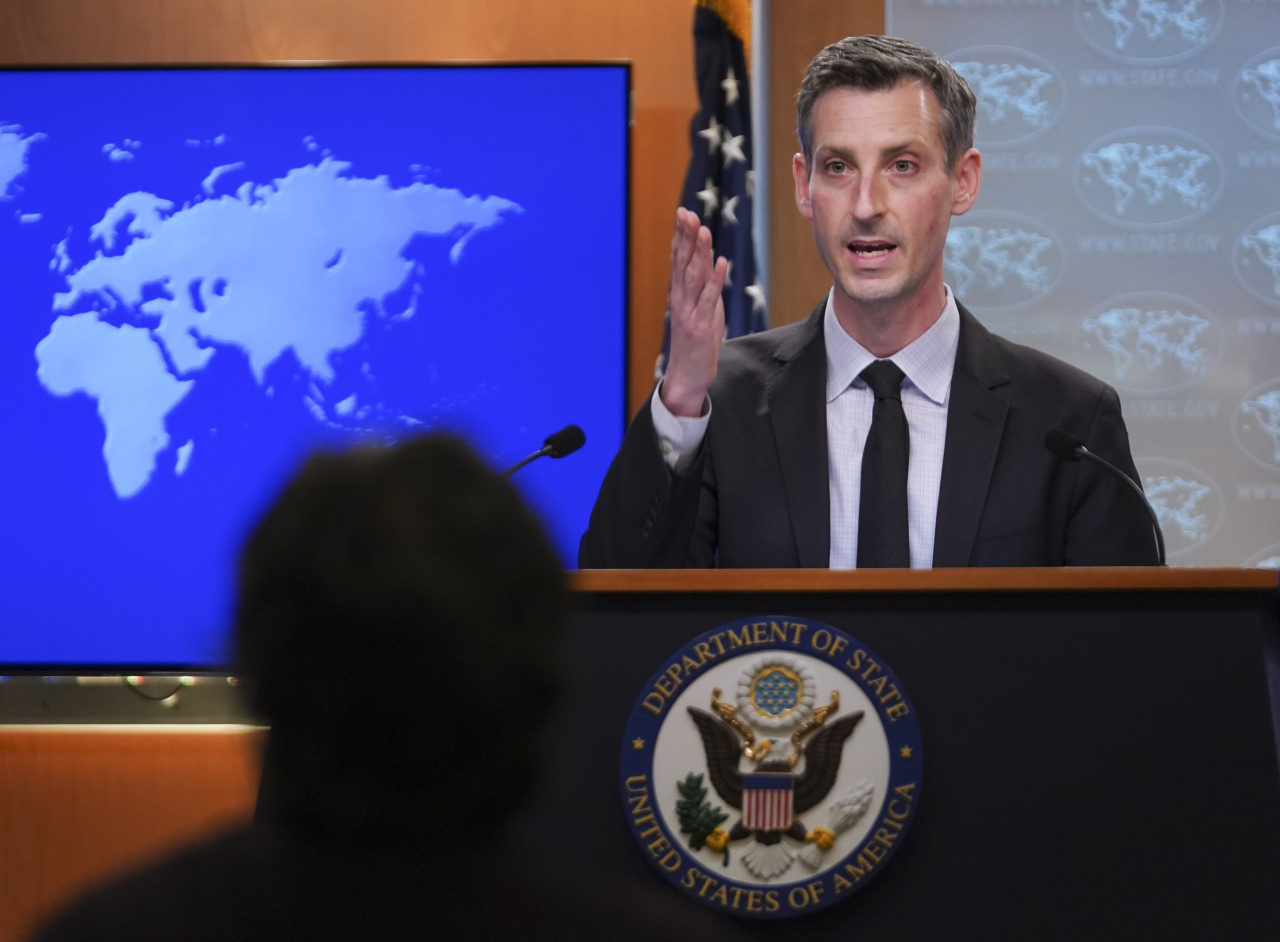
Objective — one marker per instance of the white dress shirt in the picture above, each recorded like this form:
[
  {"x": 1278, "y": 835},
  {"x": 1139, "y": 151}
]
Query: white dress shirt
[{"x": 928, "y": 363}]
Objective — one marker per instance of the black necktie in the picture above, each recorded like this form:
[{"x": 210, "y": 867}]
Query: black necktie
[{"x": 882, "y": 508}]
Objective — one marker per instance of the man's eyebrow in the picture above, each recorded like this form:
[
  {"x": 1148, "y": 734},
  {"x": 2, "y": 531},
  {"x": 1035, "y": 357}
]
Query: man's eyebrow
[
  {"x": 826, "y": 150},
  {"x": 830, "y": 150},
  {"x": 913, "y": 146}
]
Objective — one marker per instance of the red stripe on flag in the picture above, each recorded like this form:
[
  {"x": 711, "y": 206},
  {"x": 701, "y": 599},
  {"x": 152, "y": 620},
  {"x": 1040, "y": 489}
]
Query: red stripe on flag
[{"x": 767, "y": 809}]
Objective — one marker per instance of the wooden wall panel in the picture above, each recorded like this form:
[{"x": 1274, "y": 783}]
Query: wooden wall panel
[
  {"x": 798, "y": 29},
  {"x": 75, "y": 804},
  {"x": 655, "y": 35}
]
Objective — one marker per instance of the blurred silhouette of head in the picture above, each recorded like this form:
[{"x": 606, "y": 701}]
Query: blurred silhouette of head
[{"x": 398, "y": 626}]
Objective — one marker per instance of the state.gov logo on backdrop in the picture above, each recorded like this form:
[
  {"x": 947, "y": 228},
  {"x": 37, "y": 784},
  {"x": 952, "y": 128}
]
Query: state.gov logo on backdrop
[{"x": 771, "y": 767}]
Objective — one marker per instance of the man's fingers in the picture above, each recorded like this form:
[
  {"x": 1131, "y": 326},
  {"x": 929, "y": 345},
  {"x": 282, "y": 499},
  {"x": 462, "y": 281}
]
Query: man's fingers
[
  {"x": 691, "y": 264},
  {"x": 697, "y": 278},
  {"x": 713, "y": 282},
  {"x": 704, "y": 273},
  {"x": 700, "y": 262},
  {"x": 720, "y": 273},
  {"x": 677, "y": 233},
  {"x": 709, "y": 298},
  {"x": 697, "y": 316},
  {"x": 684, "y": 239}
]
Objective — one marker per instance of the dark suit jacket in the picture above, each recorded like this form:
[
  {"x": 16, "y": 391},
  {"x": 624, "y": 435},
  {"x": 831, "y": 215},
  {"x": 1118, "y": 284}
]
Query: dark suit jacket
[{"x": 758, "y": 496}]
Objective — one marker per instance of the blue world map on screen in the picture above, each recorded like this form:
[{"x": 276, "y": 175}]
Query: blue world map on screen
[
  {"x": 309, "y": 300},
  {"x": 212, "y": 273}
]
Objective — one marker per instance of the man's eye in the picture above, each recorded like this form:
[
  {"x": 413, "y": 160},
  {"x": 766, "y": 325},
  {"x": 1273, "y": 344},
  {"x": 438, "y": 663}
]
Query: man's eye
[
  {"x": 902, "y": 166},
  {"x": 836, "y": 166}
]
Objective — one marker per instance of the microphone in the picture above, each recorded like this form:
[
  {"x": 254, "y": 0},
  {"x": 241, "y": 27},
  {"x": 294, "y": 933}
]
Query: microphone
[
  {"x": 1069, "y": 448},
  {"x": 556, "y": 445},
  {"x": 1066, "y": 446},
  {"x": 564, "y": 442}
]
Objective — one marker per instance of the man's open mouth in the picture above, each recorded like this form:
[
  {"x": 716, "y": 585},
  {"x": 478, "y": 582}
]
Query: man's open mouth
[{"x": 871, "y": 249}]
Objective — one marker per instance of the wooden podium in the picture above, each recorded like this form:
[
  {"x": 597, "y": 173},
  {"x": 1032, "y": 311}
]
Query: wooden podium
[{"x": 1100, "y": 746}]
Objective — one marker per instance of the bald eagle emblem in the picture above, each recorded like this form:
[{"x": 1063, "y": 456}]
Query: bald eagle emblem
[{"x": 786, "y": 780}]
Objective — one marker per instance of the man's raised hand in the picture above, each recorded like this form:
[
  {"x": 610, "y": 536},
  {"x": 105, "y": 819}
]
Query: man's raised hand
[{"x": 697, "y": 316}]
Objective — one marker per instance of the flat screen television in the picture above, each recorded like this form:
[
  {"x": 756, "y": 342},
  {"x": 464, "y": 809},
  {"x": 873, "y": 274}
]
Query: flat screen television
[{"x": 208, "y": 273}]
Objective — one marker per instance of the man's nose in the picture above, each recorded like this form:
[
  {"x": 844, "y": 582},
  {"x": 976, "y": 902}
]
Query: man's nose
[{"x": 868, "y": 200}]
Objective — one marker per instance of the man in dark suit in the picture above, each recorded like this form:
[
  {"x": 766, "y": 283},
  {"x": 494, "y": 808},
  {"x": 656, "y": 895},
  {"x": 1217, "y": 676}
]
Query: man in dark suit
[{"x": 767, "y": 453}]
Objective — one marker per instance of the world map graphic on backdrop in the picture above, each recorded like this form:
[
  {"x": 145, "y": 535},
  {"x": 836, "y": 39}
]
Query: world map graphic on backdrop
[
  {"x": 1019, "y": 94},
  {"x": 312, "y": 300},
  {"x": 1149, "y": 31}
]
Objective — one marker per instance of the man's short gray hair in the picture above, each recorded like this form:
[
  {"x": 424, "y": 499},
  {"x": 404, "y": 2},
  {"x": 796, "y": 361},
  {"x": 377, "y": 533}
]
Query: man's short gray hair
[{"x": 880, "y": 63}]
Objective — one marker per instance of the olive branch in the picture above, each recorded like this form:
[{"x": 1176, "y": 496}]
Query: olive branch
[{"x": 697, "y": 818}]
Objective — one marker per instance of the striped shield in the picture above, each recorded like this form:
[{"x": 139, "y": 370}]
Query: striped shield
[{"x": 766, "y": 801}]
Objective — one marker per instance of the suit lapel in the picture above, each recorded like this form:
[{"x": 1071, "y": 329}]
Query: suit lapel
[
  {"x": 796, "y": 392},
  {"x": 975, "y": 424}
]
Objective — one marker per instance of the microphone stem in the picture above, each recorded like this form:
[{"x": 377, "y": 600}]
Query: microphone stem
[
  {"x": 546, "y": 450},
  {"x": 1155, "y": 521}
]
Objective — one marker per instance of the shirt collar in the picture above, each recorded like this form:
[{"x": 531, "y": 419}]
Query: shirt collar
[{"x": 928, "y": 361}]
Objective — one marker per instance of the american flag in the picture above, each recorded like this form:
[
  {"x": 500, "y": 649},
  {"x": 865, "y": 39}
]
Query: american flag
[
  {"x": 720, "y": 183},
  {"x": 766, "y": 801}
]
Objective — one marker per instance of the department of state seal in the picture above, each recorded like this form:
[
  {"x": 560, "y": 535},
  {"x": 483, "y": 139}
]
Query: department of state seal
[{"x": 771, "y": 767}]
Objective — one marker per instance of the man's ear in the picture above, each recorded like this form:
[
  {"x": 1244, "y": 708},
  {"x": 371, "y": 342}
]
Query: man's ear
[
  {"x": 968, "y": 177},
  {"x": 801, "y": 174}
]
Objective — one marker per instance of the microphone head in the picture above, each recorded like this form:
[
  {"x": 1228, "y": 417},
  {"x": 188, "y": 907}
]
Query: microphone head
[
  {"x": 1063, "y": 444},
  {"x": 565, "y": 442}
]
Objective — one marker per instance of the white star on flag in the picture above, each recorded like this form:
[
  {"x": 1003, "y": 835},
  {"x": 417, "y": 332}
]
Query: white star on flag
[
  {"x": 728, "y": 273},
  {"x": 710, "y": 197},
  {"x": 722, "y": 195},
  {"x": 712, "y": 134},
  {"x": 730, "y": 86},
  {"x": 729, "y": 211},
  {"x": 733, "y": 149}
]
